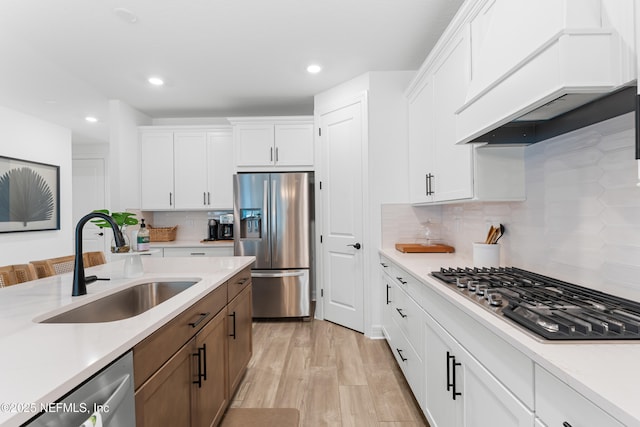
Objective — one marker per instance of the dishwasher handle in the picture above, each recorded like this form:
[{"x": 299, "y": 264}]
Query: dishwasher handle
[
  {"x": 280, "y": 274},
  {"x": 116, "y": 398}
]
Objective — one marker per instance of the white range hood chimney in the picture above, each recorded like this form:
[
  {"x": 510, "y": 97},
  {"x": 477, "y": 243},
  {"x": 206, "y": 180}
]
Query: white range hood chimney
[{"x": 551, "y": 67}]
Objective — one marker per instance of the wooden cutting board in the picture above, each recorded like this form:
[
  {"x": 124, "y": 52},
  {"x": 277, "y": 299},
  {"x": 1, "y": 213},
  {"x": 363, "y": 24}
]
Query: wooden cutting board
[{"x": 418, "y": 248}]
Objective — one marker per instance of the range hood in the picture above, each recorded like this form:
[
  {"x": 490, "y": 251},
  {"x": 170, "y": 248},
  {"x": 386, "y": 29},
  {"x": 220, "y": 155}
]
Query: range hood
[
  {"x": 574, "y": 79},
  {"x": 564, "y": 114}
]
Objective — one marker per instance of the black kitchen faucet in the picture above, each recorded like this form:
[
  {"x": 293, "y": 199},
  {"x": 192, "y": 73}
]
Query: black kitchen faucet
[{"x": 79, "y": 281}]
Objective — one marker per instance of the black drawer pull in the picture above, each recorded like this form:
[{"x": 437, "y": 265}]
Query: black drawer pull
[
  {"x": 404, "y": 359},
  {"x": 399, "y": 310},
  {"x": 197, "y": 322},
  {"x": 566, "y": 424},
  {"x": 401, "y": 280},
  {"x": 388, "y": 300}
]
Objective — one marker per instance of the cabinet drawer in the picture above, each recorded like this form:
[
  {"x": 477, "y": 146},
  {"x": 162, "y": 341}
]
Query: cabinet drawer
[
  {"x": 409, "y": 362},
  {"x": 199, "y": 251},
  {"x": 150, "y": 354},
  {"x": 407, "y": 315},
  {"x": 238, "y": 282},
  {"x": 557, "y": 403}
]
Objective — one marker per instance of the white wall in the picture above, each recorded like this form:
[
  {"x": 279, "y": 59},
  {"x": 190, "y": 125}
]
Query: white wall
[
  {"x": 123, "y": 165},
  {"x": 25, "y": 137},
  {"x": 581, "y": 219},
  {"x": 386, "y": 177}
]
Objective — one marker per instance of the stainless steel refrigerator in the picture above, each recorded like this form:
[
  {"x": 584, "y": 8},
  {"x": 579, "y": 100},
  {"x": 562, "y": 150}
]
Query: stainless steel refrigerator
[{"x": 274, "y": 220}]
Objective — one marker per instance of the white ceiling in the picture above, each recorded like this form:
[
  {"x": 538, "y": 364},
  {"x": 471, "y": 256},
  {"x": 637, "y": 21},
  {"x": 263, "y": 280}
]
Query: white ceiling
[{"x": 64, "y": 59}]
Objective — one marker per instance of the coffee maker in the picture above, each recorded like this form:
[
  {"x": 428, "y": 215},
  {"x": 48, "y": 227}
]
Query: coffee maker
[
  {"x": 213, "y": 229},
  {"x": 225, "y": 228}
]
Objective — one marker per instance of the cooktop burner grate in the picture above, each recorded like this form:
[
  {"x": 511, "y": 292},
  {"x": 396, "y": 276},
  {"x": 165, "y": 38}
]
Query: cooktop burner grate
[{"x": 553, "y": 309}]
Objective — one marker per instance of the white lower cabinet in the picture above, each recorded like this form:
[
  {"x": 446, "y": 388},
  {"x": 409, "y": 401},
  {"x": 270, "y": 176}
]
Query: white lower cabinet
[
  {"x": 402, "y": 323},
  {"x": 464, "y": 375},
  {"x": 575, "y": 410},
  {"x": 460, "y": 391}
]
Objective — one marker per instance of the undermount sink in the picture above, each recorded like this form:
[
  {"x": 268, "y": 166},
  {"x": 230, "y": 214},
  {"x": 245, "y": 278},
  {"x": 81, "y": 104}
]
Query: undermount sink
[{"x": 123, "y": 304}]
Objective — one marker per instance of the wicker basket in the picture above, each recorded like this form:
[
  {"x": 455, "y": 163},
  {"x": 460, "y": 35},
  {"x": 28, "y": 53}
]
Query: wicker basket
[{"x": 162, "y": 234}]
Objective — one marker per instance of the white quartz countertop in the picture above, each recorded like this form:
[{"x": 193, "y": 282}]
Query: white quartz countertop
[
  {"x": 192, "y": 244},
  {"x": 39, "y": 363},
  {"x": 606, "y": 373}
]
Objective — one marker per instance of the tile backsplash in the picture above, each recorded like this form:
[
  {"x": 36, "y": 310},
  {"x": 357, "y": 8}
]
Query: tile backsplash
[
  {"x": 580, "y": 221},
  {"x": 192, "y": 225}
]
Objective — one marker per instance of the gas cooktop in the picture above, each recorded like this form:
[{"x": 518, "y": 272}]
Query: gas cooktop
[{"x": 551, "y": 308}]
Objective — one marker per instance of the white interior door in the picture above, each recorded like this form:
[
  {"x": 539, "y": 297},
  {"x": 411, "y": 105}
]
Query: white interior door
[
  {"x": 342, "y": 228},
  {"x": 88, "y": 189}
]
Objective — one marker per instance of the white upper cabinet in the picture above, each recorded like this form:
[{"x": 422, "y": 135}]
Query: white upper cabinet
[
  {"x": 255, "y": 144},
  {"x": 265, "y": 143},
  {"x": 439, "y": 169},
  {"x": 453, "y": 169},
  {"x": 156, "y": 170},
  {"x": 190, "y": 169},
  {"x": 294, "y": 145},
  {"x": 186, "y": 169},
  {"x": 220, "y": 170},
  {"x": 421, "y": 137}
]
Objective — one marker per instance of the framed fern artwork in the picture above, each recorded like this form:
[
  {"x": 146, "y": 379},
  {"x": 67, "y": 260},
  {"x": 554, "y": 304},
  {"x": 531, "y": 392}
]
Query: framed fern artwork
[{"x": 29, "y": 196}]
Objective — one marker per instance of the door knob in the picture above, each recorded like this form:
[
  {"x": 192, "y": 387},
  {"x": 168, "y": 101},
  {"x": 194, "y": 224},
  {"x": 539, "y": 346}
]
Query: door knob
[{"x": 357, "y": 246}]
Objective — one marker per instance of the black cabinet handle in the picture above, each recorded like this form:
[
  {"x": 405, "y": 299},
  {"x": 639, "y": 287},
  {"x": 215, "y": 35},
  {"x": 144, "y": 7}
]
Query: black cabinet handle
[
  {"x": 429, "y": 177},
  {"x": 401, "y": 280},
  {"x": 200, "y": 374},
  {"x": 566, "y": 424},
  {"x": 208, "y": 198},
  {"x": 384, "y": 265},
  {"x": 451, "y": 375},
  {"x": 404, "y": 359},
  {"x": 204, "y": 360},
  {"x": 357, "y": 245},
  {"x": 399, "y": 310},
  {"x": 426, "y": 184},
  {"x": 271, "y": 157},
  {"x": 170, "y": 199},
  {"x": 197, "y": 322},
  {"x": 388, "y": 300},
  {"x": 233, "y": 334},
  {"x": 449, "y": 384}
]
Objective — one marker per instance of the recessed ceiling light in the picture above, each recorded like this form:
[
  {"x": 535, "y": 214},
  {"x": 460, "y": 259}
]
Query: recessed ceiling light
[
  {"x": 314, "y": 68},
  {"x": 126, "y": 15},
  {"x": 91, "y": 119},
  {"x": 156, "y": 81}
]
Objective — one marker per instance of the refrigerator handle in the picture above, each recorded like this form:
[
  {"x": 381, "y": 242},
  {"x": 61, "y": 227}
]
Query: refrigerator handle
[
  {"x": 274, "y": 222},
  {"x": 265, "y": 211}
]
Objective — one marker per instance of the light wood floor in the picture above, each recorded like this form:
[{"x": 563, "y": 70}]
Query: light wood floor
[{"x": 333, "y": 375}]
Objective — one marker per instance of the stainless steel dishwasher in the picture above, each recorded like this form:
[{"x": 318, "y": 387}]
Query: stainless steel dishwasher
[{"x": 106, "y": 399}]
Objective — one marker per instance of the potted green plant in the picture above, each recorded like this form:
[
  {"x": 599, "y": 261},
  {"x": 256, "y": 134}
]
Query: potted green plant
[{"x": 123, "y": 219}]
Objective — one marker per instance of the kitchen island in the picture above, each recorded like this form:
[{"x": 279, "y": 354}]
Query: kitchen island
[
  {"x": 584, "y": 379},
  {"x": 42, "y": 362}
]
